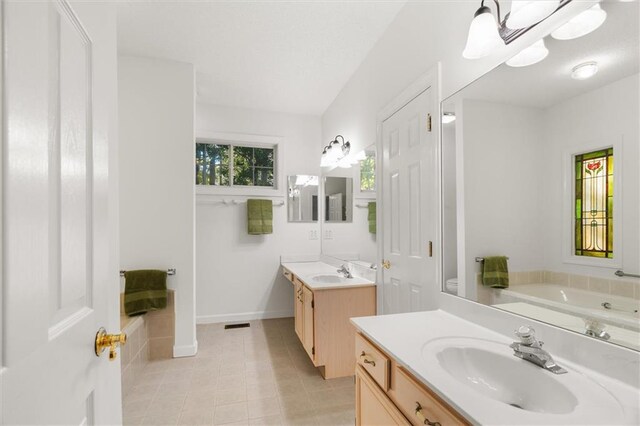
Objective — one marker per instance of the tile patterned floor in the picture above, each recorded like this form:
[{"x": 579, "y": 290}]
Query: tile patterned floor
[{"x": 249, "y": 376}]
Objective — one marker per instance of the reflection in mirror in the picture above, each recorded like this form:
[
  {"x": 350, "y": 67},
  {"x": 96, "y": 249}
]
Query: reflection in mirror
[
  {"x": 540, "y": 177},
  {"x": 302, "y": 203},
  {"x": 338, "y": 199},
  {"x": 355, "y": 239}
]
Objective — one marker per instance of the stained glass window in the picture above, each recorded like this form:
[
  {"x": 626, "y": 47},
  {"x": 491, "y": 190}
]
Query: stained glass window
[{"x": 594, "y": 204}]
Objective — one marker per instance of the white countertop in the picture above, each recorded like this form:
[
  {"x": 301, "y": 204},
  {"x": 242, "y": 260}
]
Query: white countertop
[
  {"x": 306, "y": 270},
  {"x": 409, "y": 337}
]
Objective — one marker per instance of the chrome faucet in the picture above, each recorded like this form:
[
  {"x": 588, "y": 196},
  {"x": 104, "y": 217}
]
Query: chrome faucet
[
  {"x": 344, "y": 271},
  {"x": 595, "y": 328},
  {"x": 530, "y": 349}
]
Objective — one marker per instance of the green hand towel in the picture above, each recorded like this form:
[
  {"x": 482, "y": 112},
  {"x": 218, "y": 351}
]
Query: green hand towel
[
  {"x": 495, "y": 272},
  {"x": 372, "y": 217},
  {"x": 144, "y": 290},
  {"x": 259, "y": 217}
]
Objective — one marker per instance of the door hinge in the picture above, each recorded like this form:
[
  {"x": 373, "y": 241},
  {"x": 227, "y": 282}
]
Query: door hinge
[
  {"x": 428, "y": 122},
  {"x": 313, "y": 305},
  {"x": 313, "y": 350},
  {"x": 430, "y": 249}
]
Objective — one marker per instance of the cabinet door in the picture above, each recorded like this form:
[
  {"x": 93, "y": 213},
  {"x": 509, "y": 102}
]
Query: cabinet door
[
  {"x": 373, "y": 407},
  {"x": 307, "y": 333},
  {"x": 298, "y": 318}
]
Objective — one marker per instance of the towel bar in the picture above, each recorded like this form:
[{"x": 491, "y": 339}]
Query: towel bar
[
  {"x": 170, "y": 271},
  {"x": 481, "y": 259},
  {"x": 621, "y": 273}
]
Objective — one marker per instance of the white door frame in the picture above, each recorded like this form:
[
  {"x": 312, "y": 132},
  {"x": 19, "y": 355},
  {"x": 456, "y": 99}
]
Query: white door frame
[{"x": 430, "y": 79}]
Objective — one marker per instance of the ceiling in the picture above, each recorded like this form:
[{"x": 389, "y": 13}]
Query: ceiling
[
  {"x": 271, "y": 55},
  {"x": 615, "y": 46}
]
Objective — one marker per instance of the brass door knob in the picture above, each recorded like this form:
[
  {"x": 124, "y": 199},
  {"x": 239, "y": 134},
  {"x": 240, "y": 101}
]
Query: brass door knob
[
  {"x": 111, "y": 341},
  {"x": 386, "y": 264}
]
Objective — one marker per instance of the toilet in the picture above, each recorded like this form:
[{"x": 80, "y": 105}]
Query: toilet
[{"x": 451, "y": 285}]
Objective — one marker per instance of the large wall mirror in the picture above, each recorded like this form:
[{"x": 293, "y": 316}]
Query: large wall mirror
[
  {"x": 302, "y": 202},
  {"x": 540, "y": 172},
  {"x": 349, "y": 210}
]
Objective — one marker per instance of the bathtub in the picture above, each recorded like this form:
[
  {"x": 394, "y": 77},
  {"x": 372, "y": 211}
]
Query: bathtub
[{"x": 622, "y": 312}]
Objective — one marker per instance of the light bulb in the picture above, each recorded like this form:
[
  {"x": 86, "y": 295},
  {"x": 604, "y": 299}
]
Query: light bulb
[
  {"x": 529, "y": 56},
  {"x": 483, "y": 35},
  {"x": 582, "y": 24},
  {"x": 448, "y": 117},
  {"x": 584, "y": 71},
  {"x": 527, "y": 13}
]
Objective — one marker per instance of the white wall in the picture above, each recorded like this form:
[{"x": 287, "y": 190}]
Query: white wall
[
  {"x": 422, "y": 35},
  {"x": 502, "y": 162},
  {"x": 156, "y": 118},
  {"x": 606, "y": 116},
  {"x": 238, "y": 275}
]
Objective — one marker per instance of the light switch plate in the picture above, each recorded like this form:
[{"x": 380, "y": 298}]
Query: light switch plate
[
  {"x": 328, "y": 234},
  {"x": 313, "y": 234}
]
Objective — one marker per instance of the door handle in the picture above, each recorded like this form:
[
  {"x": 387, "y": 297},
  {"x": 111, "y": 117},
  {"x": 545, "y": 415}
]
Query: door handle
[
  {"x": 386, "y": 264},
  {"x": 111, "y": 341}
]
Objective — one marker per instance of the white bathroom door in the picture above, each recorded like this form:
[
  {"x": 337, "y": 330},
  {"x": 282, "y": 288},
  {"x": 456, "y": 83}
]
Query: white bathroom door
[
  {"x": 58, "y": 281},
  {"x": 409, "y": 195}
]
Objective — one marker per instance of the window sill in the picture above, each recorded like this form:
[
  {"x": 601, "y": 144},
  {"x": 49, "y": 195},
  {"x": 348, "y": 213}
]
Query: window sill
[
  {"x": 592, "y": 261},
  {"x": 238, "y": 191}
]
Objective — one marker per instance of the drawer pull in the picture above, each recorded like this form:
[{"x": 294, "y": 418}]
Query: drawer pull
[
  {"x": 366, "y": 360},
  {"x": 422, "y": 417}
]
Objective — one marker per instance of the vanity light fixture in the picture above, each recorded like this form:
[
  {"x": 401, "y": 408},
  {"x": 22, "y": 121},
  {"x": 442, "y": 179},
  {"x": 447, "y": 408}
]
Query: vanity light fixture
[
  {"x": 483, "y": 35},
  {"x": 527, "y": 13},
  {"x": 487, "y": 34},
  {"x": 584, "y": 71},
  {"x": 448, "y": 117},
  {"x": 529, "y": 56},
  {"x": 582, "y": 24},
  {"x": 336, "y": 150}
]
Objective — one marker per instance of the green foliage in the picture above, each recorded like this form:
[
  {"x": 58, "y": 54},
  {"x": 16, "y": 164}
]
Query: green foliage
[
  {"x": 368, "y": 173},
  {"x": 251, "y": 166}
]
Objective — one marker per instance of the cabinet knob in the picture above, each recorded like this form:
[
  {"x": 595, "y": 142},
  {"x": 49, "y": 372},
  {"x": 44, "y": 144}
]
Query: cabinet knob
[{"x": 420, "y": 415}]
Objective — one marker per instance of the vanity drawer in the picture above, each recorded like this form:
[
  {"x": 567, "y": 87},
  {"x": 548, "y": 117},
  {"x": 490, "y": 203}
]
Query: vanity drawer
[
  {"x": 287, "y": 274},
  {"x": 418, "y": 404},
  {"x": 373, "y": 361}
]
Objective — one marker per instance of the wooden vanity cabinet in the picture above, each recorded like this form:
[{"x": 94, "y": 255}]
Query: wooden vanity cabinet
[
  {"x": 322, "y": 323},
  {"x": 385, "y": 388}
]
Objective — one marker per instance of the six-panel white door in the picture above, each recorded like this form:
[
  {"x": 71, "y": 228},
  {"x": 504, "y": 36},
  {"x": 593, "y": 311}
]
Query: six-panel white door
[
  {"x": 409, "y": 201},
  {"x": 58, "y": 284}
]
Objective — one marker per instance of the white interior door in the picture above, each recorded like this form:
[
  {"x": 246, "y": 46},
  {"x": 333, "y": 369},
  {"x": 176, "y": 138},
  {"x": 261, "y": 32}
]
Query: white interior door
[
  {"x": 59, "y": 285},
  {"x": 409, "y": 201}
]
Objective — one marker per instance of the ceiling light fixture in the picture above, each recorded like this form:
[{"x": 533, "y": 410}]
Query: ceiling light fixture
[
  {"x": 529, "y": 56},
  {"x": 584, "y": 71},
  {"x": 582, "y": 24},
  {"x": 483, "y": 35},
  {"x": 448, "y": 117},
  {"x": 527, "y": 13},
  {"x": 334, "y": 152}
]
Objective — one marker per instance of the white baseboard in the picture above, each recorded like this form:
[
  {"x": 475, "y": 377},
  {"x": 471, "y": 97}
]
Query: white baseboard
[
  {"x": 243, "y": 316},
  {"x": 186, "y": 350}
]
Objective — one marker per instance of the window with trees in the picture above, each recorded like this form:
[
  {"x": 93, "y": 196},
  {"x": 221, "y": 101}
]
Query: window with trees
[
  {"x": 368, "y": 173},
  {"x": 234, "y": 165}
]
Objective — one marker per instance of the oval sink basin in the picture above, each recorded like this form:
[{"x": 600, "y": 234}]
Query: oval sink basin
[
  {"x": 329, "y": 279},
  {"x": 507, "y": 380},
  {"x": 516, "y": 390}
]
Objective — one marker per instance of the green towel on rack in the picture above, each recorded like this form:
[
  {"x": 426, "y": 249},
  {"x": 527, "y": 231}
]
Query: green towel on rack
[
  {"x": 144, "y": 290},
  {"x": 495, "y": 272},
  {"x": 259, "y": 217},
  {"x": 372, "y": 217}
]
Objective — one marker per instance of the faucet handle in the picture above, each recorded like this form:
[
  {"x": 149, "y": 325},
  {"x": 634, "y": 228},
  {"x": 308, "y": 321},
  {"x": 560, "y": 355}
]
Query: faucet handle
[{"x": 526, "y": 334}]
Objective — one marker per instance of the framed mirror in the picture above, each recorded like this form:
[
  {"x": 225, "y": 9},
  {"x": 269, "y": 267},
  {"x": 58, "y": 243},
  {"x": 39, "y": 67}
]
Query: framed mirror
[
  {"x": 338, "y": 199},
  {"x": 543, "y": 159},
  {"x": 302, "y": 198}
]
